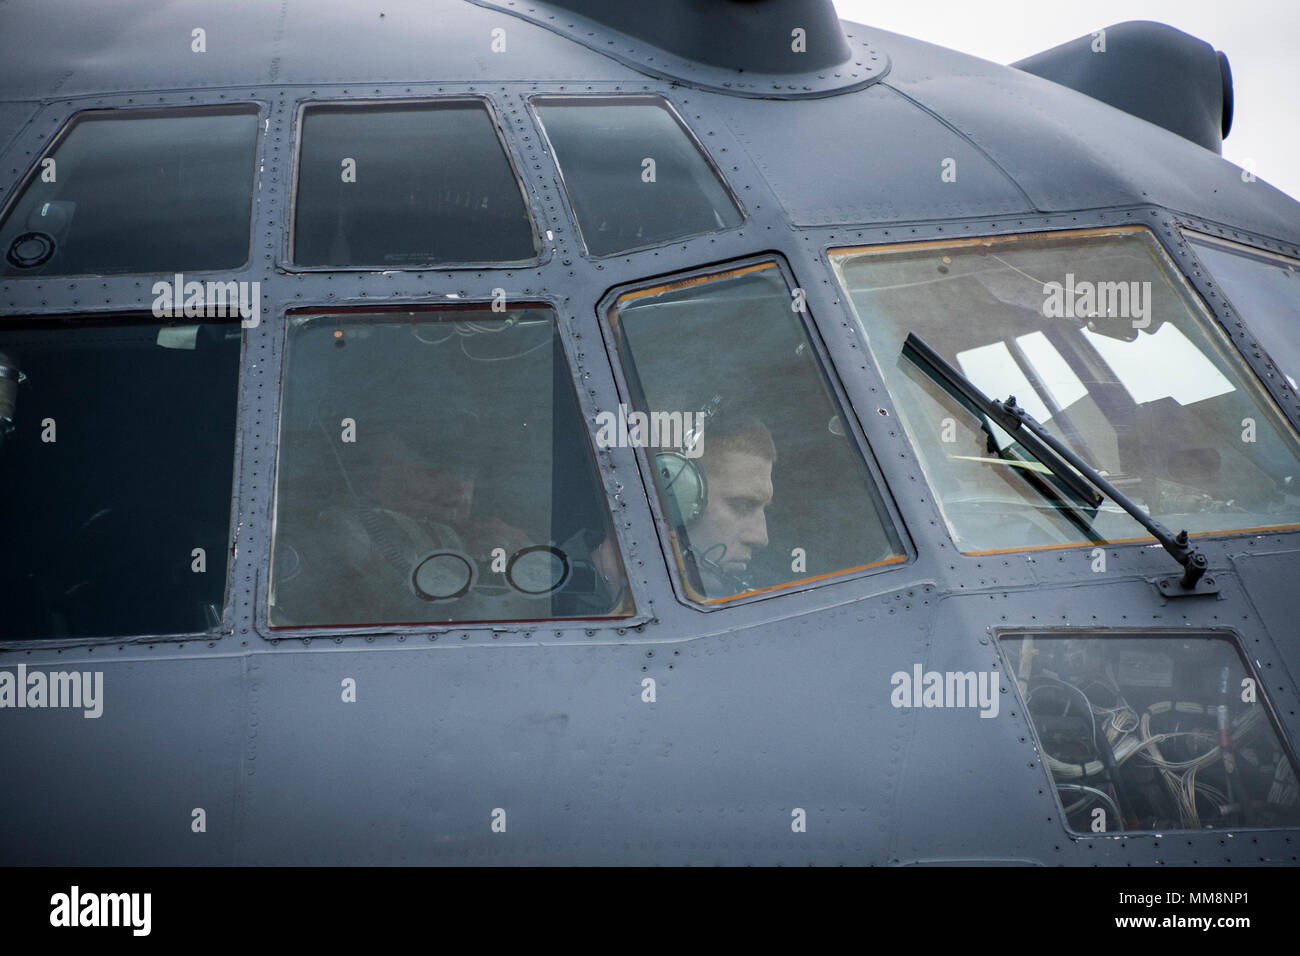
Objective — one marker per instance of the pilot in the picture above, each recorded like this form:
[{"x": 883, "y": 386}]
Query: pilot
[
  {"x": 724, "y": 515},
  {"x": 412, "y": 507},
  {"x": 351, "y": 561}
]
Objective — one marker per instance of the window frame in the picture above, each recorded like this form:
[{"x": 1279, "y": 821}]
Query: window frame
[
  {"x": 641, "y": 613},
  {"x": 236, "y": 107},
  {"x": 614, "y": 98},
  {"x": 1217, "y": 632},
  {"x": 235, "y": 516},
  {"x": 535, "y": 219},
  {"x": 1211, "y": 321},
  {"x": 891, "y": 519}
]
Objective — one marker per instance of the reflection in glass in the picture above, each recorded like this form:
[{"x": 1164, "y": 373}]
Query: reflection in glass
[
  {"x": 406, "y": 184},
  {"x": 765, "y": 489},
  {"x": 115, "y": 476},
  {"x": 137, "y": 191},
  {"x": 434, "y": 467},
  {"x": 634, "y": 174},
  {"x": 1265, "y": 289},
  {"x": 1151, "y": 732},
  {"x": 1140, "y": 385}
]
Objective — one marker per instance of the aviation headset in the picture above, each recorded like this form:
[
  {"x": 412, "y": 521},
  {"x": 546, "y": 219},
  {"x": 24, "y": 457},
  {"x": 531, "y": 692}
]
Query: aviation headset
[{"x": 685, "y": 489}]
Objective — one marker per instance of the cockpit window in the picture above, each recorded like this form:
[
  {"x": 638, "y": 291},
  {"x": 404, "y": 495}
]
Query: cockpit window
[
  {"x": 757, "y": 475},
  {"x": 634, "y": 174},
  {"x": 117, "y": 439},
  {"x": 434, "y": 466},
  {"x": 1265, "y": 288},
  {"x": 406, "y": 184},
  {"x": 1100, "y": 339},
  {"x": 1148, "y": 731},
  {"x": 137, "y": 191}
]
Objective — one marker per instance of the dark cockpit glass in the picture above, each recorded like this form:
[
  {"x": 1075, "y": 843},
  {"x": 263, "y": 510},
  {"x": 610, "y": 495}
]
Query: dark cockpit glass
[
  {"x": 634, "y": 174},
  {"x": 1265, "y": 289},
  {"x": 137, "y": 191},
  {"x": 117, "y": 440},
  {"x": 758, "y": 476},
  {"x": 405, "y": 185},
  {"x": 434, "y": 466}
]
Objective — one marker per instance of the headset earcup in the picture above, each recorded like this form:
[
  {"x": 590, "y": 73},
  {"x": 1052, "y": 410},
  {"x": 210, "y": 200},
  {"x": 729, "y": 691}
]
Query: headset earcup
[{"x": 683, "y": 485}]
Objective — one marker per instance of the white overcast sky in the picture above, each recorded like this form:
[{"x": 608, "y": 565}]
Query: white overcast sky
[{"x": 1260, "y": 38}]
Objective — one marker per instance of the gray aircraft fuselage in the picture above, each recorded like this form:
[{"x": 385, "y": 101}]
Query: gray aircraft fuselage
[{"x": 773, "y": 736}]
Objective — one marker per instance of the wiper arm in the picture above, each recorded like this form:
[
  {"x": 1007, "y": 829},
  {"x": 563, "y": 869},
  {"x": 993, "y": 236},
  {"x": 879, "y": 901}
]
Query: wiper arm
[
  {"x": 977, "y": 403},
  {"x": 1054, "y": 454}
]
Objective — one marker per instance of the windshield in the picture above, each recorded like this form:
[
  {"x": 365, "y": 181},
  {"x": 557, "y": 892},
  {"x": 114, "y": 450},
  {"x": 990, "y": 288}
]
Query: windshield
[{"x": 1098, "y": 338}]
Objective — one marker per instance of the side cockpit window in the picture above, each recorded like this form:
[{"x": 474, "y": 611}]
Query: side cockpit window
[
  {"x": 117, "y": 439},
  {"x": 758, "y": 476},
  {"x": 406, "y": 184},
  {"x": 137, "y": 191},
  {"x": 434, "y": 467},
  {"x": 1265, "y": 288},
  {"x": 634, "y": 174}
]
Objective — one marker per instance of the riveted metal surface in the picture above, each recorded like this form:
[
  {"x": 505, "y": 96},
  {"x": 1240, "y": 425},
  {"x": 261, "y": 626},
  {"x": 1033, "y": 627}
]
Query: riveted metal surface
[
  {"x": 864, "y": 66},
  {"x": 13, "y": 117},
  {"x": 1068, "y": 151},
  {"x": 66, "y": 48},
  {"x": 123, "y": 786},
  {"x": 773, "y": 704},
  {"x": 869, "y": 172}
]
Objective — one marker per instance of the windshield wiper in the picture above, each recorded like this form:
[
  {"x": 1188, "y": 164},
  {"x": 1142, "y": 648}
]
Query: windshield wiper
[{"x": 1056, "y": 456}]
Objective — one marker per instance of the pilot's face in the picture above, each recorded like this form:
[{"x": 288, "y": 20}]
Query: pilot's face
[{"x": 734, "y": 524}]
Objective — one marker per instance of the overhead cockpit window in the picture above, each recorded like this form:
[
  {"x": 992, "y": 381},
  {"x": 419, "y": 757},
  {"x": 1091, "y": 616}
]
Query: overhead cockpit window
[
  {"x": 117, "y": 440},
  {"x": 434, "y": 466},
  {"x": 1147, "y": 731},
  {"x": 1101, "y": 340},
  {"x": 634, "y": 174},
  {"x": 1265, "y": 289},
  {"x": 406, "y": 184},
  {"x": 137, "y": 191},
  {"x": 758, "y": 476}
]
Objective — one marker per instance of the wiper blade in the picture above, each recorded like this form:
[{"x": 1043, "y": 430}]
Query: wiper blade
[
  {"x": 1054, "y": 454},
  {"x": 976, "y": 402}
]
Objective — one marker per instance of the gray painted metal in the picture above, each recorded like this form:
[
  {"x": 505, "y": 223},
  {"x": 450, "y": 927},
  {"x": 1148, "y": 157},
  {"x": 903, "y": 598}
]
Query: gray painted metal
[
  {"x": 774, "y": 703},
  {"x": 742, "y": 48},
  {"x": 1150, "y": 70}
]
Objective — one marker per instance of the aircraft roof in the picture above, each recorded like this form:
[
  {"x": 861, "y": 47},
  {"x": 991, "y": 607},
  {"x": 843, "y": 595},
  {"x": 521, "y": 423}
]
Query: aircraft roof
[{"x": 1022, "y": 144}]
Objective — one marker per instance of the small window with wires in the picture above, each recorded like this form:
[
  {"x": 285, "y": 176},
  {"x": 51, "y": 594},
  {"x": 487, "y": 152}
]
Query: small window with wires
[
  {"x": 1151, "y": 732},
  {"x": 435, "y": 467}
]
